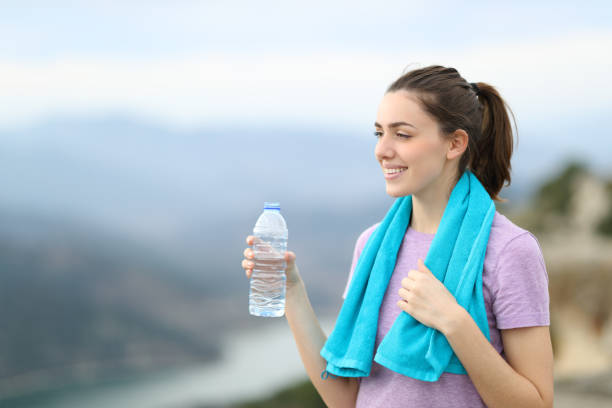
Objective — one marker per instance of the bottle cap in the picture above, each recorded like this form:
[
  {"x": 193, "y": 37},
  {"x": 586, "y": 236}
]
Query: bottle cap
[{"x": 271, "y": 205}]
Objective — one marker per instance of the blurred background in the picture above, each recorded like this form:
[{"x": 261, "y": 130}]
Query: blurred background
[{"x": 140, "y": 139}]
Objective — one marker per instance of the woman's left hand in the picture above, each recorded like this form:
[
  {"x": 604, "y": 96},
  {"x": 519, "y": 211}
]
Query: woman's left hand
[{"x": 426, "y": 299}]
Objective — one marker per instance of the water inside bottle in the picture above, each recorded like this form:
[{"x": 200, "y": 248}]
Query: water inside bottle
[{"x": 267, "y": 290}]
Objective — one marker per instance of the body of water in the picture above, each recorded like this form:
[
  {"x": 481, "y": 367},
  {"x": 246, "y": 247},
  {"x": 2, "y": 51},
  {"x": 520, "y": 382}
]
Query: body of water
[{"x": 255, "y": 364}]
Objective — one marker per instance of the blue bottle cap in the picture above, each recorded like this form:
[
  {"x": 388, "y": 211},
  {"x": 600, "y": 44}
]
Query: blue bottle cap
[{"x": 271, "y": 205}]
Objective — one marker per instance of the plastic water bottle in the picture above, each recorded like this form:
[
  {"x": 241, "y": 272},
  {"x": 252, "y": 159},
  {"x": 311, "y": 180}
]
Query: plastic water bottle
[{"x": 267, "y": 287}]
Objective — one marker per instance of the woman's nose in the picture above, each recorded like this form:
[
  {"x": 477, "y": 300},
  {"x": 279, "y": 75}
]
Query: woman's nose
[{"x": 384, "y": 148}]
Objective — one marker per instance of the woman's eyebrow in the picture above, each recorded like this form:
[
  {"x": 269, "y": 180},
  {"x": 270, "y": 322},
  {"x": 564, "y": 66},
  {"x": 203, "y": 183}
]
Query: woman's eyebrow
[{"x": 396, "y": 124}]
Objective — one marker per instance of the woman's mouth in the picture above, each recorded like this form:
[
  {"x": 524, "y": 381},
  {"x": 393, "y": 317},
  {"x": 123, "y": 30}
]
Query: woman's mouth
[{"x": 393, "y": 173}]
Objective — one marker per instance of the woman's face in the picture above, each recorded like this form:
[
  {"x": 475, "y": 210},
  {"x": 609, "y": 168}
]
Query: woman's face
[{"x": 408, "y": 140}]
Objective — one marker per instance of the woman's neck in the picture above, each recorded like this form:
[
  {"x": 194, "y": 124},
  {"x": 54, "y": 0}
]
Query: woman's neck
[{"x": 428, "y": 207}]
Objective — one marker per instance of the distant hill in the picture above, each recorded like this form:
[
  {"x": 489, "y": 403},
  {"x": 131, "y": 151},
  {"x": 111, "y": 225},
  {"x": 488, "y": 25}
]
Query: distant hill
[
  {"x": 574, "y": 198},
  {"x": 80, "y": 305}
]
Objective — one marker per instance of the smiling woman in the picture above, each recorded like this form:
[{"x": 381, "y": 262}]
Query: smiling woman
[{"x": 447, "y": 303}]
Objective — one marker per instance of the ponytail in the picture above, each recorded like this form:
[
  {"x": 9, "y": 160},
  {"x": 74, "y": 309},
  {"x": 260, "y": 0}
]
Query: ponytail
[
  {"x": 476, "y": 108},
  {"x": 490, "y": 162}
]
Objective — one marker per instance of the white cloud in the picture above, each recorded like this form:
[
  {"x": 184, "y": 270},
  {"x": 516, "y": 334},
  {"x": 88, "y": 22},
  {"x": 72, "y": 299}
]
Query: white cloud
[{"x": 550, "y": 76}]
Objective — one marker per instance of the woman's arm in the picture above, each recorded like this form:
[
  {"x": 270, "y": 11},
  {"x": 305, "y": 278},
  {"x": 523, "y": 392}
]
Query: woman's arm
[
  {"x": 310, "y": 338},
  {"x": 337, "y": 392},
  {"x": 525, "y": 380}
]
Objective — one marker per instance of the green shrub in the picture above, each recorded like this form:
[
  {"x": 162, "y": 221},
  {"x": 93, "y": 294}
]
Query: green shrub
[
  {"x": 605, "y": 225},
  {"x": 302, "y": 395},
  {"x": 554, "y": 195}
]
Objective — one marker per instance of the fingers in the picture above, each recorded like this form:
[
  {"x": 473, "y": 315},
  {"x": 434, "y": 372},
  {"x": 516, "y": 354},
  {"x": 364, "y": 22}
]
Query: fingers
[
  {"x": 249, "y": 254},
  {"x": 252, "y": 239},
  {"x": 248, "y": 264},
  {"x": 404, "y": 293},
  {"x": 248, "y": 267},
  {"x": 289, "y": 256}
]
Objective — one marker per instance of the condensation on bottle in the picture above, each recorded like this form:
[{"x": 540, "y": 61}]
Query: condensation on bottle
[{"x": 267, "y": 286}]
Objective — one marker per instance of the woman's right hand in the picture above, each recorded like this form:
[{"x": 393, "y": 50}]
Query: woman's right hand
[{"x": 291, "y": 272}]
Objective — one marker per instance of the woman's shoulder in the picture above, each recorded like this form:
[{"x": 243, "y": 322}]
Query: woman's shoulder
[
  {"x": 364, "y": 236},
  {"x": 507, "y": 239},
  {"x": 515, "y": 276},
  {"x": 504, "y": 231}
]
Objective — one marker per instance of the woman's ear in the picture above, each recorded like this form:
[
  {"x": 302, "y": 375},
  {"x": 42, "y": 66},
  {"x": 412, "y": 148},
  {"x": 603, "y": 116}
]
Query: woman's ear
[{"x": 458, "y": 143}]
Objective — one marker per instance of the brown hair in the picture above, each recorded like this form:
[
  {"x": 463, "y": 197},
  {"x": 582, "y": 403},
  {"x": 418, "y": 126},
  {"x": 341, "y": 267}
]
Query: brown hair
[{"x": 479, "y": 110}]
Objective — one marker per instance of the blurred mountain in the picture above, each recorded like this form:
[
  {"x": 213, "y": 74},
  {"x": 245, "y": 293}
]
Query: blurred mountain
[
  {"x": 79, "y": 305},
  {"x": 167, "y": 186},
  {"x": 575, "y": 199},
  {"x": 193, "y": 196},
  {"x": 157, "y": 182}
]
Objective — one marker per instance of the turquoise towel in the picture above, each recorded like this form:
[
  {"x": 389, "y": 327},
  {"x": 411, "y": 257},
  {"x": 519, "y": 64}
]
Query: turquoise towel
[{"x": 455, "y": 257}]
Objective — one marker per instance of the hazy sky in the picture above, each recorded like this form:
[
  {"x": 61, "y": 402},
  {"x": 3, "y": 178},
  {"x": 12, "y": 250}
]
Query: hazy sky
[{"x": 188, "y": 63}]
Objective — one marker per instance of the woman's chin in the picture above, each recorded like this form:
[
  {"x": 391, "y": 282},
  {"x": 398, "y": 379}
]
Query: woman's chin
[{"x": 397, "y": 192}]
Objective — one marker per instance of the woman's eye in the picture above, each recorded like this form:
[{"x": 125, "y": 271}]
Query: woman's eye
[{"x": 379, "y": 134}]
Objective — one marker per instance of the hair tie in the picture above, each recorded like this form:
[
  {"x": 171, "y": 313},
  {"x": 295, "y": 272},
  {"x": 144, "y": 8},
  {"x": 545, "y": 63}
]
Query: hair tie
[{"x": 475, "y": 87}]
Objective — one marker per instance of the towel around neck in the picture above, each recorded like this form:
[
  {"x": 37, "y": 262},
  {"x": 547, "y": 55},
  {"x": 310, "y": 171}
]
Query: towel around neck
[{"x": 455, "y": 257}]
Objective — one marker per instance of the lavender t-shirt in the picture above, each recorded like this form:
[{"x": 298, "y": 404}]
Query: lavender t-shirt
[{"x": 515, "y": 289}]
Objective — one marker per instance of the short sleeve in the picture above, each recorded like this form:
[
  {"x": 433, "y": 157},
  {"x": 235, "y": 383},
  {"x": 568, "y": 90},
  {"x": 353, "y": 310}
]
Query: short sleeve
[
  {"x": 520, "y": 296},
  {"x": 359, "y": 245}
]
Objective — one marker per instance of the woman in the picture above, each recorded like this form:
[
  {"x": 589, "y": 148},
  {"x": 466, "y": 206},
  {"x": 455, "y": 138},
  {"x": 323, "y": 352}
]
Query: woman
[{"x": 433, "y": 129}]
